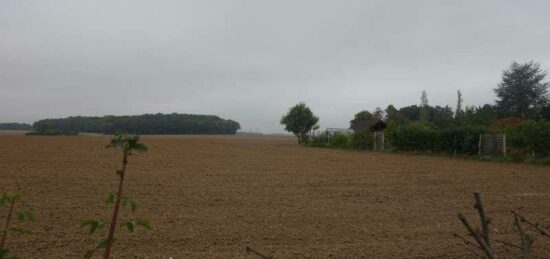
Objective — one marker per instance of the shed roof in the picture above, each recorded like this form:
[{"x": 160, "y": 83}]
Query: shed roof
[{"x": 374, "y": 125}]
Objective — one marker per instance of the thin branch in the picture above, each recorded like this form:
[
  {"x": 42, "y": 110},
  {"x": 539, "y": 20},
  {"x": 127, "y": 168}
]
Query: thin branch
[
  {"x": 488, "y": 251},
  {"x": 508, "y": 244},
  {"x": 526, "y": 240},
  {"x": 466, "y": 241},
  {"x": 251, "y": 250},
  {"x": 535, "y": 225},
  {"x": 483, "y": 217}
]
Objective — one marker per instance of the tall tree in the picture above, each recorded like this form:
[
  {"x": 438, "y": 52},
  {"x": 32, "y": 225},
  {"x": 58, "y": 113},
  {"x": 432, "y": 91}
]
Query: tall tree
[
  {"x": 300, "y": 120},
  {"x": 459, "y": 101},
  {"x": 379, "y": 113},
  {"x": 392, "y": 114},
  {"x": 424, "y": 107},
  {"x": 522, "y": 92}
]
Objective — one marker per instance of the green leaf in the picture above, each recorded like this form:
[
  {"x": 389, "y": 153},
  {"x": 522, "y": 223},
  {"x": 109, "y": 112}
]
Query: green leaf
[
  {"x": 93, "y": 224},
  {"x": 24, "y": 214},
  {"x": 110, "y": 198},
  {"x": 144, "y": 223},
  {"x": 19, "y": 230},
  {"x": 129, "y": 201},
  {"x": 130, "y": 225}
]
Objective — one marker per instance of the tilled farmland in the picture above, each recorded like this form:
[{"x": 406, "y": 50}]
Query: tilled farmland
[{"x": 212, "y": 196}]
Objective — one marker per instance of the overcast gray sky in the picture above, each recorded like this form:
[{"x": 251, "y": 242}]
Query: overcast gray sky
[{"x": 250, "y": 60}]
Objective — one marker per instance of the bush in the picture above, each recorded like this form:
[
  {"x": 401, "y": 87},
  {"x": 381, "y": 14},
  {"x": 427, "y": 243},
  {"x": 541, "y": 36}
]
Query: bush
[
  {"x": 517, "y": 155},
  {"x": 362, "y": 140},
  {"x": 415, "y": 136},
  {"x": 537, "y": 137},
  {"x": 460, "y": 140},
  {"x": 340, "y": 140},
  {"x": 317, "y": 141}
]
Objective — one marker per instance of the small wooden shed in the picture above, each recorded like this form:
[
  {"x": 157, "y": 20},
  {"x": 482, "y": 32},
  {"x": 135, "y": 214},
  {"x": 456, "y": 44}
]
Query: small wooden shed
[{"x": 376, "y": 127}]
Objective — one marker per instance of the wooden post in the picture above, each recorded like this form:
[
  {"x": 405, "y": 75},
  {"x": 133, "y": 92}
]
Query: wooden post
[
  {"x": 504, "y": 144},
  {"x": 479, "y": 144}
]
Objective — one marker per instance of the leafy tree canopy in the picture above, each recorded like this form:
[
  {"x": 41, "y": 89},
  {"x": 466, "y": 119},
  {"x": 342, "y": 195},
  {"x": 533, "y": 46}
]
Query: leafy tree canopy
[
  {"x": 523, "y": 91},
  {"x": 300, "y": 120}
]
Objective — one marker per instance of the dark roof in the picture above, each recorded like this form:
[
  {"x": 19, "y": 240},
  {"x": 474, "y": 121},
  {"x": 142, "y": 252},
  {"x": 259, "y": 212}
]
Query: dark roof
[{"x": 373, "y": 125}]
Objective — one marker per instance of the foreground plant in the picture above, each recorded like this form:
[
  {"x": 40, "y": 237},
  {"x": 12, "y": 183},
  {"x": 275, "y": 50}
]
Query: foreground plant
[
  {"x": 482, "y": 238},
  {"x": 128, "y": 145},
  {"x": 8, "y": 202}
]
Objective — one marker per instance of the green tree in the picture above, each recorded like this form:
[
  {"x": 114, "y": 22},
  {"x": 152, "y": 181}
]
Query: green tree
[
  {"x": 392, "y": 114},
  {"x": 424, "y": 107},
  {"x": 361, "y": 116},
  {"x": 300, "y": 120},
  {"x": 522, "y": 92},
  {"x": 459, "y": 112}
]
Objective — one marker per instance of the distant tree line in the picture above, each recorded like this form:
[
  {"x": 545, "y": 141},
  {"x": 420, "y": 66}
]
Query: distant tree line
[
  {"x": 521, "y": 110},
  {"x": 15, "y": 126},
  {"x": 138, "y": 124}
]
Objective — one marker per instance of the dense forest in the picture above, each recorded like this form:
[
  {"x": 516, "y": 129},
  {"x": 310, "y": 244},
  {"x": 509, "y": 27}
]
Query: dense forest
[
  {"x": 15, "y": 126},
  {"x": 138, "y": 124}
]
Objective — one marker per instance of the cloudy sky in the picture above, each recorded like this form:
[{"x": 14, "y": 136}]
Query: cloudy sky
[{"x": 250, "y": 60}]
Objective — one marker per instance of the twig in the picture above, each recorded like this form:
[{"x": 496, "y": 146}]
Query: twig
[
  {"x": 466, "y": 241},
  {"x": 251, "y": 250},
  {"x": 535, "y": 225},
  {"x": 508, "y": 244},
  {"x": 488, "y": 251},
  {"x": 483, "y": 217},
  {"x": 526, "y": 239}
]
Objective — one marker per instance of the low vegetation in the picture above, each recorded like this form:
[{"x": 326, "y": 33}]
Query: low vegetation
[
  {"x": 128, "y": 145},
  {"x": 14, "y": 206}
]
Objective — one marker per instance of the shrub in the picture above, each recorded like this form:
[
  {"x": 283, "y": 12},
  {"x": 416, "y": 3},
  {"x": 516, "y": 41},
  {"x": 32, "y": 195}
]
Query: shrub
[
  {"x": 415, "y": 136},
  {"x": 340, "y": 140},
  {"x": 460, "y": 140},
  {"x": 517, "y": 155},
  {"x": 318, "y": 141},
  {"x": 537, "y": 137},
  {"x": 362, "y": 140}
]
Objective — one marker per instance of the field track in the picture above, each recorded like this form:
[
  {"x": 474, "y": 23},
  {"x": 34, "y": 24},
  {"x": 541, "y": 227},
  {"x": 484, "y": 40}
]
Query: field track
[{"x": 211, "y": 196}]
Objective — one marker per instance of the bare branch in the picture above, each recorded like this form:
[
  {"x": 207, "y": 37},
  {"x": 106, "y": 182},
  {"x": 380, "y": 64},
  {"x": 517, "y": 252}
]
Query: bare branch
[
  {"x": 483, "y": 217},
  {"x": 466, "y": 241},
  {"x": 251, "y": 250},
  {"x": 488, "y": 251},
  {"x": 535, "y": 225}
]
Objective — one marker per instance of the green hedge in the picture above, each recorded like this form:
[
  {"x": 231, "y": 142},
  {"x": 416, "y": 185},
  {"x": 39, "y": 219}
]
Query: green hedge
[
  {"x": 460, "y": 140},
  {"x": 422, "y": 136},
  {"x": 415, "y": 136},
  {"x": 536, "y": 136}
]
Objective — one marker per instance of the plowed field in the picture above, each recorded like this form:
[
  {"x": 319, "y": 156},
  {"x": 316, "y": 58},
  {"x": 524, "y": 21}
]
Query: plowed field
[{"x": 211, "y": 196}]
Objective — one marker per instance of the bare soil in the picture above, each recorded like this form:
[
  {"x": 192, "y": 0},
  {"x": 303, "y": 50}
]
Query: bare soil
[{"x": 211, "y": 196}]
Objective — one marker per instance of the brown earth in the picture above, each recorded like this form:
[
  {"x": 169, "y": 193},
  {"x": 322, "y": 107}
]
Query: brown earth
[{"x": 211, "y": 196}]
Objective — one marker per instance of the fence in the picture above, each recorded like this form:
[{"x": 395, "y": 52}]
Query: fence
[{"x": 492, "y": 144}]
